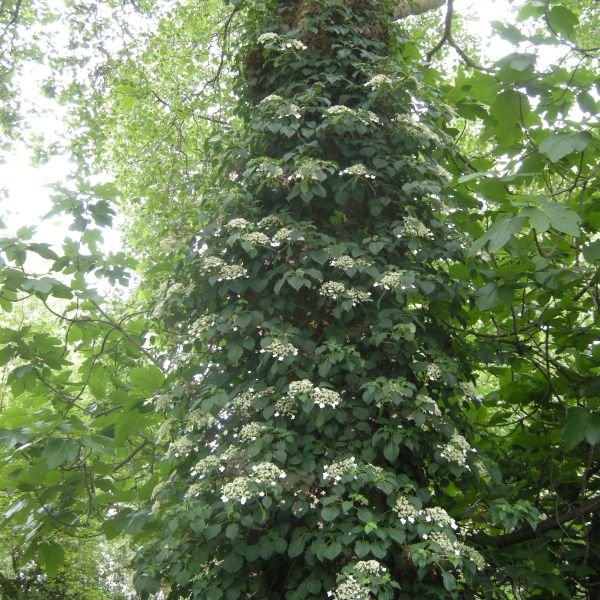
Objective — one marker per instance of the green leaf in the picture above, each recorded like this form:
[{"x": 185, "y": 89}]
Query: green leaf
[
  {"x": 562, "y": 20},
  {"x": 59, "y": 451},
  {"x": 559, "y": 145},
  {"x": 574, "y": 430},
  {"x": 498, "y": 234},
  {"x": 233, "y": 562},
  {"x": 51, "y": 556},
  {"x": 592, "y": 430},
  {"x": 147, "y": 379},
  {"x": 126, "y": 425},
  {"x": 591, "y": 252},
  {"x": 587, "y": 103},
  {"x": 561, "y": 218}
]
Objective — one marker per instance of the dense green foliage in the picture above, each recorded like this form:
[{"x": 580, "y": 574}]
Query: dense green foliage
[{"x": 361, "y": 356}]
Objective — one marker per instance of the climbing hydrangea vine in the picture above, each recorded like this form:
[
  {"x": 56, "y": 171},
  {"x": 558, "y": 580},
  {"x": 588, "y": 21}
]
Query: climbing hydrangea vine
[{"x": 335, "y": 437}]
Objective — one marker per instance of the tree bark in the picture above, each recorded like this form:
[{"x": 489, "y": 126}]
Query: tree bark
[{"x": 416, "y": 7}]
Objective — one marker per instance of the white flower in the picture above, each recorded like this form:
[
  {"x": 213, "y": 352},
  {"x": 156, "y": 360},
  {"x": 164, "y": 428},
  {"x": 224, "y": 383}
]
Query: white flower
[
  {"x": 267, "y": 472},
  {"x": 438, "y": 516},
  {"x": 267, "y": 38},
  {"x": 473, "y": 555},
  {"x": 456, "y": 450},
  {"x": 414, "y": 228},
  {"x": 357, "y": 170},
  {"x": 350, "y": 589},
  {"x": 468, "y": 389},
  {"x": 339, "y": 469},
  {"x": 230, "y": 272},
  {"x": 333, "y": 290},
  {"x": 256, "y": 238},
  {"x": 347, "y": 262},
  {"x": 393, "y": 280},
  {"x": 304, "y": 386},
  {"x": 405, "y": 510},
  {"x": 324, "y": 397},
  {"x": 280, "y": 349},
  {"x": 434, "y": 371},
  {"x": 251, "y": 431},
  {"x": 238, "y": 223},
  {"x": 372, "y": 567},
  {"x": 378, "y": 81},
  {"x": 237, "y": 490},
  {"x": 293, "y": 45}
]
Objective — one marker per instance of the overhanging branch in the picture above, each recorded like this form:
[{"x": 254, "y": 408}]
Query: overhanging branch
[
  {"x": 527, "y": 533},
  {"x": 416, "y": 7}
]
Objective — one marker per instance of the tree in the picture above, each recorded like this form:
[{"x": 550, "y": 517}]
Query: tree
[{"x": 323, "y": 313}]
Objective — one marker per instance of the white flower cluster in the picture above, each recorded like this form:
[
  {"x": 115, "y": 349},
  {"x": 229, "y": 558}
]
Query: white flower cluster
[
  {"x": 283, "y": 108},
  {"x": 181, "y": 447},
  {"x": 286, "y": 406},
  {"x": 338, "y": 109},
  {"x": 269, "y": 221},
  {"x": 434, "y": 371},
  {"x": 347, "y": 262},
  {"x": 445, "y": 542},
  {"x": 413, "y": 126},
  {"x": 251, "y": 431},
  {"x": 473, "y": 555},
  {"x": 238, "y": 223},
  {"x": 203, "y": 323},
  {"x": 267, "y": 472},
  {"x": 324, "y": 397},
  {"x": 364, "y": 116},
  {"x": 429, "y": 404},
  {"x": 438, "y": 516},
  {"x": 256, "y": 238},
  {"x": 371, "y": 567},
  {"x": 237, "y": 490},
  {"x": 205, "y": 465},
  {"x": 271, "y": 38},
  {"x": 267, "y": 38},
  {"x": 337, "y": 291},
  {"x": 293, "y": 45},
  {"x": 350, "y": 589},
  {"x": 456, "y": 450},
  {"x": 199, "y": 420},
  {"x": 242, "y": 403},
  {"x": 269, "y": 168},
  {"x": 195, "y": 490},
  {"x": 468, "y": 389},
  {"x": 358, "y": 170},
  {"x": 412, "y": 227},
  {"x": 335, "y": 471},
  {"x": 406, "y": 511},
  {"x": 280, "y": 349},
  {"x": 378, "y": 81},
  {"x": 394, "y": 280},
  {"x": 282, "y": 235},
  {"x": 230, "y": 272},
  {"x": 211, "y": 263},
  {"x": 304, "y": 386}
]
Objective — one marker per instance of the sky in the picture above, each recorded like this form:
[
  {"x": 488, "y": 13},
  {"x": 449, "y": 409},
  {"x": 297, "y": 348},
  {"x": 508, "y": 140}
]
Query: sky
[{"x": 26, "y": 185}]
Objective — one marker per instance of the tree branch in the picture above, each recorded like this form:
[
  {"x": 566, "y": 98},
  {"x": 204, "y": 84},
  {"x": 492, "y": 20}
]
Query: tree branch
[
  {"x": 448, "y": 39},
  {"x": 416, "y": 7},
  {"x": 527, "y": 533}
]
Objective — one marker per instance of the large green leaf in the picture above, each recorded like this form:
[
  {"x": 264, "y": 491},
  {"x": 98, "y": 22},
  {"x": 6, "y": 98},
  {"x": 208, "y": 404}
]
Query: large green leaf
[{"x": 559, "y": 145}]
